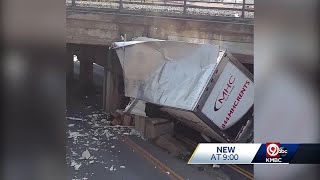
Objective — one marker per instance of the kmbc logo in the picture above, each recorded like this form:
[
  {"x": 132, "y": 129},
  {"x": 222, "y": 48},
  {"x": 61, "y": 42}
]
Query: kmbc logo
[{"x": 273, "y": 150}]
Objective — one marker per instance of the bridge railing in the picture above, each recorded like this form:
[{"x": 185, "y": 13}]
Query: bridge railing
[{"x": 234, "y": 9}]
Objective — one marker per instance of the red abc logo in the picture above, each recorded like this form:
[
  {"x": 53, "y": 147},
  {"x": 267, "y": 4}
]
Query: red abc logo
[{"x": 272, "y": 149}]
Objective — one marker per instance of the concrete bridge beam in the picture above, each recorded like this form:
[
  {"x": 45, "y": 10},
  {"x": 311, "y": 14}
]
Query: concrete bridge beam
[{"x": 101, "y": 29}]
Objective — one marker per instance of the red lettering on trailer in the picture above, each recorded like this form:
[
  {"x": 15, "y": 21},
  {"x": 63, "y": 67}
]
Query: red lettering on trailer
[
  {"x": 235, "y": 104},
  {"x": 225, "y": 93}
]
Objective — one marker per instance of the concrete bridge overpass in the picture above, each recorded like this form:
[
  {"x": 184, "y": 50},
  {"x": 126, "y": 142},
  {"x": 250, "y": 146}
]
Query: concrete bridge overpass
[
  {"x": 91, "y": 29},
  {"x": 90, "y": 25}
]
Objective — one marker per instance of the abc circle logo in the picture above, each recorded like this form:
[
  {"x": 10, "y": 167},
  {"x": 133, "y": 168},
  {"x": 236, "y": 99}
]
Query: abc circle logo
[
  {"x": 274, "y": 150},
  {"x": 283, "y": 151}
]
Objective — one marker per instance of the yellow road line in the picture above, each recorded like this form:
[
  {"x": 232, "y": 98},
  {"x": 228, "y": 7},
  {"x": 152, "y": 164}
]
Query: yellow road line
[
  {"x": 152, "y": 159},
  {"x": 241, "y": 171},
  {"x": 193, "y": 153}
]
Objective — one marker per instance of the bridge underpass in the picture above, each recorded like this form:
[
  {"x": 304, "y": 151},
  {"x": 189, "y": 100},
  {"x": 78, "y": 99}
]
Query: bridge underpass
[
  {"x": 88, "y": 55},
  {"x": 90, "y": 31}
]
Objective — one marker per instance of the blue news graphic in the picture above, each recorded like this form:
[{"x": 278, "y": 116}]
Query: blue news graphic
[
  {"x": 307, "y": 154},
  {"x": 286, "y": 153},
  {"x": 255, "y": 153}
]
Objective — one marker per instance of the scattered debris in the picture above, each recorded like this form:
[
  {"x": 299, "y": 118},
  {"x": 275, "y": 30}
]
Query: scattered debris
[
  {"x": 86, "y": 154},
  {"x": 108, "y": 133},
  {"x": 74, "y": 135},
  {"x": 93, "y": 149},
  {"x": 101, "y": 129},
  {"x": 115, "y": 114},
  {"x": 105, "y": 121},
  {"x": 112, "y": 169},
  {"x": 215, "y": 165},
  {"x": 75, "y": 119},
  {"x": 96, "y": 125},
  {"x": 74, "y": 153},
  {"x": 116, "y": 121},
  {"x": 127, "y": 120},
  {"x": 75, "y": 165}
]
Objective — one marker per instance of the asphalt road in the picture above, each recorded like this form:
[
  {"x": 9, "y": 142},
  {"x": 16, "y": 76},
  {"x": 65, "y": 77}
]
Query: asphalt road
[
  {"x": 96, "y": 150},
  {"x": 110, "y": 155},
  {"x": 88, "y": 130}
]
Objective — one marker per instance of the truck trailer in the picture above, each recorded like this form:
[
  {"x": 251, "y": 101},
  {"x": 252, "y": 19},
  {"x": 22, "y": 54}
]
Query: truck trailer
[{"x": 201, "y": 85}]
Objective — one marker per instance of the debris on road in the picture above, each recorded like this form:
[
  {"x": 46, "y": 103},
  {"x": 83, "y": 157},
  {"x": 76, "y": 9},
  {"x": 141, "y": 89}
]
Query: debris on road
[
  {"x": 116, "y": 121},
  {"x": 86, "y": 154},
  {"x": 74, "y": 135},
  {"x": 127, "y": 120},
  {"x": 93, "y": 149},
  {"x": 121, "y": 118},
  {"x": 74, "y": 153},
  {"x": 75, "y": 119},
  {"x": 112, "y": 168},
  {"x": 75, "y": 165},
  {"x": 215, "y": 165},
  {"x": 94, "y": 139}
]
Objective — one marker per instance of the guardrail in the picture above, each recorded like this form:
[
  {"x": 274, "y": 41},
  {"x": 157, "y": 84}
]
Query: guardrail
[{"x": 235, "y": 9}]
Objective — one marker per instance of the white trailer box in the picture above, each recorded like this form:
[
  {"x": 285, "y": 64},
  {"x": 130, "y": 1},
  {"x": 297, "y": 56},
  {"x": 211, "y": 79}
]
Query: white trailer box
[{"x": 201, "y": 85}]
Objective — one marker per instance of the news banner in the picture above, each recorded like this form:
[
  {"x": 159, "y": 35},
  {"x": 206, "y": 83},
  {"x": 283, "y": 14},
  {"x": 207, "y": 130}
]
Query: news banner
[{"x": 268, "y": 153}]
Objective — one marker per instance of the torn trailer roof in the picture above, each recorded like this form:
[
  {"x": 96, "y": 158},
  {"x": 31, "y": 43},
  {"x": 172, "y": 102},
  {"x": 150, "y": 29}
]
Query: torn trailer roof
[{"x": 166, "y": 73}]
